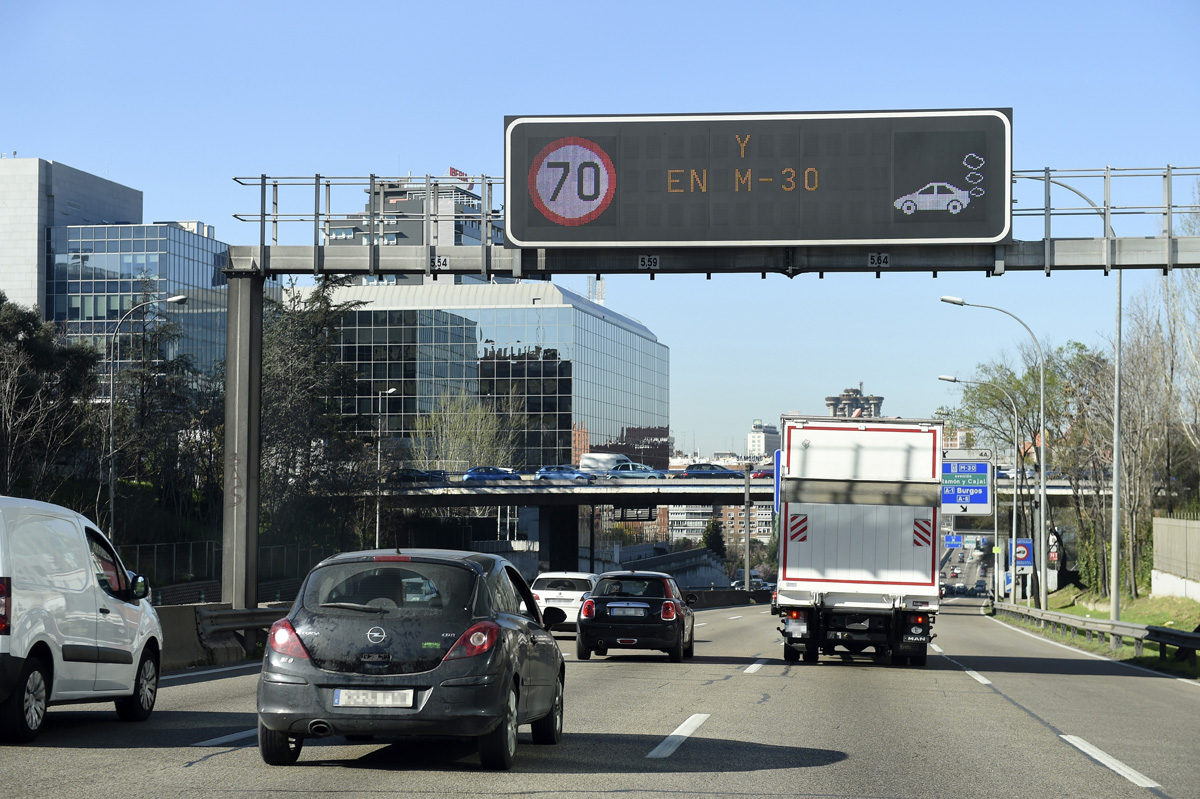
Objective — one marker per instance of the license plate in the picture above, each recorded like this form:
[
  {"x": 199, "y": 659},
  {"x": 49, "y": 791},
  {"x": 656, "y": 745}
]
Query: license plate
[
  {"x": 344, "y": 697},
  {"x": 797, "y": 628},
  {"x": 560, "y": 599},
  {"x": 628, "y": 612}
]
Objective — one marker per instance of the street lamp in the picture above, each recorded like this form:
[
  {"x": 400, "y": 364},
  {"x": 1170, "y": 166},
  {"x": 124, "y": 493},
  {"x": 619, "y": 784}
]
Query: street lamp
[
  {"x": 1041, "y": 444},
  {"x": 115, "y": 351},
  {"x": 1016, "y": 460},
  {"x": 379, "y": 461}
]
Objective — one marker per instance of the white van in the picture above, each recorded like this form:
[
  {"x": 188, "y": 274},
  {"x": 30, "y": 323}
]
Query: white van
[
  {"x": 600, "y": 462},
  {"x": 75, "y": 626}
]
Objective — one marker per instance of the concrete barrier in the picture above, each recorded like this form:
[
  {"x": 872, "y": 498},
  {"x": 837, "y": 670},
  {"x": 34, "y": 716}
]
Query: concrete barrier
[
  {"x": 725, "y": 597},
  {"x": 181, "y": 637}
]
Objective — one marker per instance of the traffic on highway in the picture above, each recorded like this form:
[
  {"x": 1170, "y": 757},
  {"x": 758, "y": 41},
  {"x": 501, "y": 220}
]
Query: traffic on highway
[{"x": 996, "y": 711}]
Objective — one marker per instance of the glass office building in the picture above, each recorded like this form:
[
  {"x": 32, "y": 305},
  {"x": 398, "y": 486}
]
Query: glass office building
[
  {"x": 98, "y": 273},
  {"x": 588, "y": 378}
]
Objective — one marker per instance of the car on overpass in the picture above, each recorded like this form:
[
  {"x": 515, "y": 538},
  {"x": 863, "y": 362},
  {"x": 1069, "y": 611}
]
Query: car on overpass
[
  {"x": 708, "y": 470},
  {"x": 635, "y": 471},
  {"x": 488, "y": 473},
  {"x": 562, "y": 473}
]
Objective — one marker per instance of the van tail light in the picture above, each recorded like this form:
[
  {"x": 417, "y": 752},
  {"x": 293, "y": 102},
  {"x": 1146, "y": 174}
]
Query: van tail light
[
  {"x": 5, "y": 604},
  {"x": 588, "y": 611},
  {"x": 283, "y": 639},
  {"x": 668, "y": 611},
  {"x": 477, "y": 640}
]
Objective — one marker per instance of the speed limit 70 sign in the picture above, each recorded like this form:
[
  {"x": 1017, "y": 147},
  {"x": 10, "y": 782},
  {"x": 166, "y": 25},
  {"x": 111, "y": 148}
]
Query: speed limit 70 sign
[{"x": 572, "y": 181}]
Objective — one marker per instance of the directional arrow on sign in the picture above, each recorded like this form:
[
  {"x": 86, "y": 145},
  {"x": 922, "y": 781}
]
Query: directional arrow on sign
[{"x": 963, "y": 508}]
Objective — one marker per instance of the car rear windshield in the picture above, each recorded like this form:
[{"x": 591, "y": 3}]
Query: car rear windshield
[
  {"x": 651, "y": 587},
  {"x": 392, "y": 589},
  {"x": 561, "y": 584}
]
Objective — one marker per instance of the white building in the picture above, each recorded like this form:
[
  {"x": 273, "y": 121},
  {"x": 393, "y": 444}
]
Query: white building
[{"x": 762, "y": 440}]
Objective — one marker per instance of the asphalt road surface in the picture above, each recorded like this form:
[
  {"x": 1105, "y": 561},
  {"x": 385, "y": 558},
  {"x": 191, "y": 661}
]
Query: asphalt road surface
[{"x": 997, "y": 712}]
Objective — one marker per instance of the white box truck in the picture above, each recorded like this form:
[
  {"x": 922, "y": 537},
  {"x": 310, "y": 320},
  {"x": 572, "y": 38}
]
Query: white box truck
[{"x": 858, "y": 536}]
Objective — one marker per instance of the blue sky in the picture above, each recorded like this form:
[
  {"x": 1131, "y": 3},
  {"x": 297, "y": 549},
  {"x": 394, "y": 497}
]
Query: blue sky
[{"x": 177, "y": 99}]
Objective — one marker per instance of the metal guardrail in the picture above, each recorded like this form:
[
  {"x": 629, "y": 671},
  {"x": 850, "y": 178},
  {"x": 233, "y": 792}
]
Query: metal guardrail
[
  {"x": 211, "y": 621},
  {"x": 1114, "y": 630}
]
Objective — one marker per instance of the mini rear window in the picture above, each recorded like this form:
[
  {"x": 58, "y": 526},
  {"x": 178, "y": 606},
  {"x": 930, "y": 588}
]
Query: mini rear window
[
  {"x": 392, "y": 588},
  {"x": 631, "y": 586},
  {"x": 562, "y": 584}
]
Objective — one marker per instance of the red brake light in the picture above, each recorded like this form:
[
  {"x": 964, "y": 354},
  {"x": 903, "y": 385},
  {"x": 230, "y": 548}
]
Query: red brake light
[
  {"x": 588, "y": 611},
  {"x": 536, "y": 598},
  {"x": 668, "y": 611},
  {"x": 477, "y": 640},
  {"x": 797, "y": 614},
  {"x": 391, "y": 558},
  {"x": 283, "y": 639},
  {"x": 5, "y": 604}
]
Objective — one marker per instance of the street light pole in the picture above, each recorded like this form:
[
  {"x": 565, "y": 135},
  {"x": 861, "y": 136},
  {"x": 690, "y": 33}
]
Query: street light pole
[
  {"x": 1041, "y": 443},
  {"x": 379, "y": 462},
  {"x": 114, "y": 350},
  {"x": 1016, "y": 460}
]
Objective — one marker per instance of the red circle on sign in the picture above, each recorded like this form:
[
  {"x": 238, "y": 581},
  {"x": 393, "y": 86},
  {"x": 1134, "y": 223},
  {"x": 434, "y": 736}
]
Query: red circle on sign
[
  {"x": 588, "y": 210},
  {"x": 1022, "y": 552}
]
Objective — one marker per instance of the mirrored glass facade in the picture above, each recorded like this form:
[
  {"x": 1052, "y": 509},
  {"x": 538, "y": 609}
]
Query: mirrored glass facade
[
  {"x": 98, "y": 273},
  {"x": 585, "y": 375}
]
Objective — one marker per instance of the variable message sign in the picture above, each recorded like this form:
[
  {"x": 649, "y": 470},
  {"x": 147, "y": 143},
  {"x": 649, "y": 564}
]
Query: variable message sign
[{"x": 887, "y": 177}]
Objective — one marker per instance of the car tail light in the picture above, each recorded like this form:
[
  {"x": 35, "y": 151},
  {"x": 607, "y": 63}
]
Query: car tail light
[
  {"x": 588, "y": 611},
  {"x": 801, "y": 615},
  {"x": 477, "y": 640},
  {"x": 668, "y": 611},
  {"x": 5, "y": 603},
  {"x": 536, "y": 598},
  {"x": 283, "y": 639}
]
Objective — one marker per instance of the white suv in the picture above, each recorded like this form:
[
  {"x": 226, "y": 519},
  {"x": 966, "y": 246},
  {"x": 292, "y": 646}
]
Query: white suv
[
  {"x": 75, "y": 626},
  {"x": 564, "y": 590}
]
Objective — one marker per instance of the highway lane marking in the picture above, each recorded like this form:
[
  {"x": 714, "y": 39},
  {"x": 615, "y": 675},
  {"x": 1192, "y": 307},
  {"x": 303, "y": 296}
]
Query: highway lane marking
[
  {"x": 936, "y": 648},
  {"x": 1105, "y": 759},
  {"x": 755, "y": 666},
  {"x": 226, "y": 739},
  {"x": 974, "y": 674},
  {"x": 675, "y": 739},
  {"x": 731, "y": 618},
  {"x": 700, "y": 623}
]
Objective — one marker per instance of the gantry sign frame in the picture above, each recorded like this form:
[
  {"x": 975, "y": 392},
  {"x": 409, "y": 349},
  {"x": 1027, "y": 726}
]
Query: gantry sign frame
[{"x": 759, "y": 180}]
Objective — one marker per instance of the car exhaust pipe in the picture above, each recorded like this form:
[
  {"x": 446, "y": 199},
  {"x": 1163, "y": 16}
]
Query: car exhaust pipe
[{"x": 320, "y": 728}]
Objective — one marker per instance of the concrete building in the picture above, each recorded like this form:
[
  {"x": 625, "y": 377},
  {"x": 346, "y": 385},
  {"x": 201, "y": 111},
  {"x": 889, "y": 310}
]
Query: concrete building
[
  {"x": 852, "y": 403},
  {"x": 762, "y": 440}
]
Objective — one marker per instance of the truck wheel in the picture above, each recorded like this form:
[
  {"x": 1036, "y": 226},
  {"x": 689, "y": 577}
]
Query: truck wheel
[
  {"x": 790, "y": 654},
  {"x": 810, "y": 655},
  {"x": 899, "y": 660},
  {"x": 919, "y": 660}
]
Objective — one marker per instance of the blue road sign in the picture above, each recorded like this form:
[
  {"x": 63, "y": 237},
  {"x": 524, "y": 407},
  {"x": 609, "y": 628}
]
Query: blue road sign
[
  {"x": 966, "y": 487},
  {"x": 953, "y": 541},
  {"x": 1023, "y": 555}
]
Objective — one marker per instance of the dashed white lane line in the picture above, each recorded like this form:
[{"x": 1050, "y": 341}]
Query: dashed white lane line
[
  {"x": 731, "y": 618},
  {"x": 1105, "y": 759},
  {"x": 673, "y": 741},
  {"x": 936, "y": 648},
  {"x": 701, "y": 623},
  {"x": 228, "y": 739},
  {"x": 755, "y": 666}
]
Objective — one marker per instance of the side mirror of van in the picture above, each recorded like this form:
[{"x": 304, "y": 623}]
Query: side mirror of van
[{"x": 141, "y": 587}]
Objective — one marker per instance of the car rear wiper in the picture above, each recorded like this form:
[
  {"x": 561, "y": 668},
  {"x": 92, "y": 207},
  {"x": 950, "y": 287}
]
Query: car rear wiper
[{"x": 355, "y": 606}]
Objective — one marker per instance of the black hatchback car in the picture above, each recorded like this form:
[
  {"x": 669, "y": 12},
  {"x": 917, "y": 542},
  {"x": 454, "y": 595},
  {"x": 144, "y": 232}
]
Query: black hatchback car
[
  {"x": 419, "y": 642},
  {"x": 636, "y": 610}
]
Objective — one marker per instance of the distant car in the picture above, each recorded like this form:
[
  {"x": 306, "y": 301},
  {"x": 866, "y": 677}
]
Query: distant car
[
  {"x": 409, "y": 475},
  {"x": 698, "y": 470},
  {"x": 635, "y": 471},
  {"x": 942, "y": 590},
  {"x": 981, "y": 587},
  {"x": 481, "y": 473},
  {"x": 562, "y": 473},
  {"x": 636, "y": 610},
  {"x": 960, "y": 588},
  {"x": 565, "y": 590},
  {"x": 424, "y": 642},
  {"x": 765, "y": 471},
  {"x": 934, "y": 197}
]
